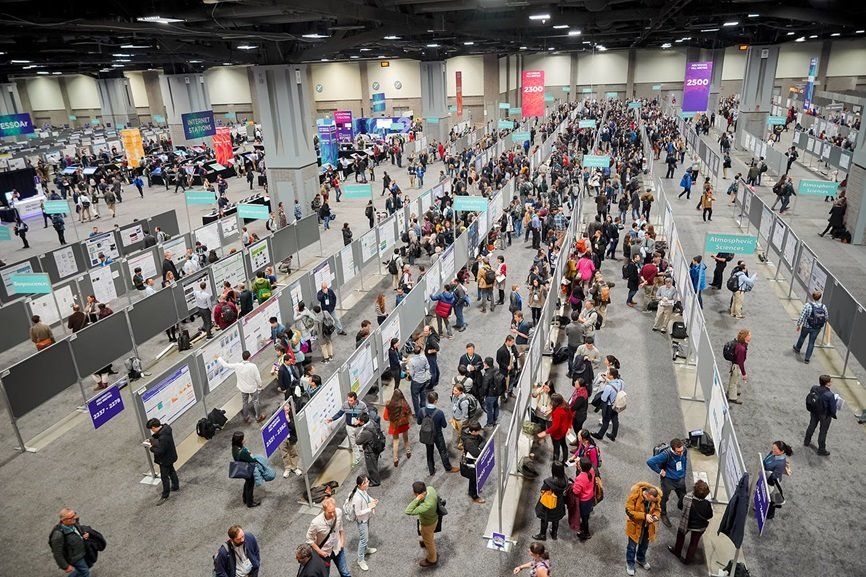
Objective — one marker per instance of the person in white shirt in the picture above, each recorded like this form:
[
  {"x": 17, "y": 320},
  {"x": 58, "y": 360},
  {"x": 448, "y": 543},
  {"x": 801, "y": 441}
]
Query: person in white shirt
[
  {"x": 363, "y": 507},
  {"x": 148, "y": 287},
  {"x": 667, "y": 296},
  {"x": 249, "y": 383},
  {"x": 191, "y": 265},
  {"x": 202, "y": 302}
]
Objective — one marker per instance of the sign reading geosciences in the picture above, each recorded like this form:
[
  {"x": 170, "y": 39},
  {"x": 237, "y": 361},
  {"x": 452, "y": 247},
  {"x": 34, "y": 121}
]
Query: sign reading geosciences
[
  {"x": 13, "y": 124},
  {"x": 735, "y": 243},
  {"x": 198, "y": 124}
]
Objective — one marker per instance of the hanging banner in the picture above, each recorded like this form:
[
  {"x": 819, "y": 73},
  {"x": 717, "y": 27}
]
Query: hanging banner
[
  {"x": 343, "y": 120},
  {"x": 459, "y": 83},
  {"x": 810, "y": 84},
  {"x": 378, "y": 102},
  {"x": 14, "y": 124},
  {"x": 198, "y": 124},
  {"x": 132, "y": 146},
  {"x": 222, "y": 146},
  {"x": 696, "y": 88},
  {"x": 532, "y": 90},
  {"x": 328, "y": 146}
]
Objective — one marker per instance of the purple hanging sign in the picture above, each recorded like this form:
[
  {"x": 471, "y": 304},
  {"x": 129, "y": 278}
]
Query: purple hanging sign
[{"x": 696, "y": 88}]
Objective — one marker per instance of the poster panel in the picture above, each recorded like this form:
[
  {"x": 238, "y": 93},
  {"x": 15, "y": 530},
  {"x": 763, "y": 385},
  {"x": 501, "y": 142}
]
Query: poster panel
[
  {"x": 228, "y": 345},
  {"x": 532, "y": 90},
  {"x": 170, "y": 397}
]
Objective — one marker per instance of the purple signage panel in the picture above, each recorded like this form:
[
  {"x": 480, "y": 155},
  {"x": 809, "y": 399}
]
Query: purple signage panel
[
  {"x": 343, "y": 119},
  {"x": 696, "y": 89},
  {"x": 810, "y": 84},
  {"x": 485, "y": 463},
  {"x": 275, "y": 431},
  {"x": 105, "y": 406}
]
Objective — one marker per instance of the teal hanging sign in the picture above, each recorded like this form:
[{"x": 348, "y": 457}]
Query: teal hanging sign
[
  {"x": 520, "y": 136},
  {"x": 253, "y": 211},
  {"x": 586, "y": 123},
  {"x": 55, "y": 207},
  {"x": 735, "y": 243},
  {"x": 514, "y": 110},
  {"x": 505, "y": 125},
  {"x": 596, "y": 161},
  {"x": 31, "y": 283},
  {"x": 504, "y": 106},
  {"x": 470, "y": 203},
  {"x": 776, "y": 120},
  {"x": 817, "y": 188},
  {"x": 357, "y": 190},
  {"x": 431, "y": 120},
  {"x": 5, "y": 232},
  {"x": 199, "y": 197}
]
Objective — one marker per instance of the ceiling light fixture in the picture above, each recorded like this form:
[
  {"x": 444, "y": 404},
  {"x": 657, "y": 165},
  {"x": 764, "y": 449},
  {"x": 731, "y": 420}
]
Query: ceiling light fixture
[
  {"x": 128, "y": 46},
  {"x": 159, "y": 19},
  {"x": 666, "y": 45},
  {"x": 541, "y": 17},
  {"x": 813, "y": 36},
  {"x": 314, "y": 35},
  {"x": 195, "y": 61},
  {"x": 31, "y": 66},
  {"x": 366, "y": 49},
  {"x": 710, "y": 30},
  {"x": 123, "y": 60},
  {"x": 117, "y": 65},
  {"x": 121, "y": 55},
  {"x": 687, "y": 37},
  {"x": 381, "y": 56},
  {"x": 836, "y": 34},
  {"x": 19, "y": 62},
  {"x": 551, "y": 48},
  {"x": 601, "y": 48},
  {"x": 523, "y": 47},
  {"x": 42, "y": 72},
  {"x": 789, "y": 34},
  {"x": 800, "y": 39},
  {"x": 731, "y": 23},
  {"x": 574, "y": 32},
  {"x": 677, "y": 41},
  {"x": 56, "y": 73},
  {"x": 247, "y": 47},
  {"x": 354, "y": 56},
  {"x": 227, "y": 63},
  {"x": 560, "y": 27},
  {"x": 586, "y": 42},
  {"x": 752, "y": 15},
  {"x": 469, "y": 43},
  {"x": 860, "y": 31},
  {"x": 392, "y": 37},
  {"x": 433, "y": 45}
]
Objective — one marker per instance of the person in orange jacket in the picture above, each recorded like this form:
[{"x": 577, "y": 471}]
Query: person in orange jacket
[{"x": 643, "y": 512}]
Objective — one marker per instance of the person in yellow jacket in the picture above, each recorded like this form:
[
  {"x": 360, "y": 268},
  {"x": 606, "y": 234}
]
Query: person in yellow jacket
[
  {"x": 486, "y": 279},
  {"x": 642, "y": 511}
]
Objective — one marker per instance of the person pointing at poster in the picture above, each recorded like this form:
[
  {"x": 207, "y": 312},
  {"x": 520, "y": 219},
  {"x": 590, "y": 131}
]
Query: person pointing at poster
[{"x": 249, "y": 383}]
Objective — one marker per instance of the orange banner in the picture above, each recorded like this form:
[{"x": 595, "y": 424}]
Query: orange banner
[
  {"x": 133, "y": 146},
  {"x": 459, "y": 82}
]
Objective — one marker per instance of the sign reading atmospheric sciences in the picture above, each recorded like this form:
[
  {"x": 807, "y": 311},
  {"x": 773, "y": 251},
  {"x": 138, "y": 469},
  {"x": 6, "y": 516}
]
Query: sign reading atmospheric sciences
[
  {"x": 817, "y": 188},
  {"x": 595, "y": 161},
  {"x": 470, "y": 203},
  {"x": 532, "y": 90},
  {"x": 735, "y": 243},
  {"x": 590, "y": 123},
  {"x": 14, "y": 124},
  {"x": 696, "y": 88},
  {"x": 31, "y": 283},
  {"x": 198, "y": 124}
]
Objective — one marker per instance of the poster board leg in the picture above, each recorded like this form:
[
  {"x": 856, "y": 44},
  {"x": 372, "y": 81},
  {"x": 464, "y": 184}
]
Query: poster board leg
[{"x": 22, "y": 446}]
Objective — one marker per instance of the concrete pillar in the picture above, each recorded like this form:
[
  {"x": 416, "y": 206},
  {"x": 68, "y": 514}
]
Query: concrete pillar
[
  {"x": 718, "y": 58},
  {"x": 757, "y": 91},
  {"x": 434, "y": 98},
  {"x": 153, "y": 90},
  {"x": 182, "y": 94},
  {"x": 519, "y": 83},
  {"x": 491, "y": 88},
  {"x": 64, "y": 93},
  {"x": 629, "y": 79},
  {"x": 572, "y": 79},
  {"x": 115, "y": 99},
  {"x": 366, "y": 107},
  {"x": 285, "y": 109},
  {"x": 10, "y": 100},
  {"x": 823, "y": 62}
]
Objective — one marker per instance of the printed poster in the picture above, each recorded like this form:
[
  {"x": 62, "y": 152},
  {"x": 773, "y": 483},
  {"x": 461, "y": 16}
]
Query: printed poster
[
  {"x": 532, "y": 90},
  {"x": 103, "y": 284},
  {"x": 260, "y": 256},
  {"x": 64, "y": 259}
]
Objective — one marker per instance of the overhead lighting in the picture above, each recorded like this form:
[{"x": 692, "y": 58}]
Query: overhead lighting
[
  {"x": 731, "y": 23},
  {"x": 813, "y": 36},
  {"x": 159, "y": 19},
  {"x": 19, "y": 62},
  {"x": 247, "y": 47},
  {"x": 687, "y": 37},
  {"x": 1, "y": 53},
  {"x": 523, "y": 47},
  {"x": 835, "y": 34},
  {"x": 56, "y": 73},
  {"x": 574, "y": 32},
  {"x": 366, "y": 49},
  {"x": 195, "y": 61},
  {"x": 314, "y": 35},
  {"x": 666, "y": 45},
  {"x": 227, "y": 63},
  {"x": 710, "y": 30},
  {"x": 586, "y": 42},
  {"x": 861, "y": 31},
  {"x": 601, "y": 48},
  {"x": 469, "y": 43},
  {"x": 433, "y": 45},
  {"x": 753, "y": 15},
  {"x": 381, "y": 56},
  {"x": 41, "y": 72},
  {"x": 539, "y": 16},
  {"x": 800, "y": 39},
  {"x": 121, "y": 55},
  {"x": 124, "y": 60},
  {"x": 134, "y": 46},
  {"x": 117, "y": 65},
  {"x": 560, "y": 27},
  {"x": 551, "y": 48},
  {"x": 31, "y": 66},
  {"x": 789, "y": 34},
  {"x": 392, "y": 37},
  {"x": 105, "y": 69},
  {"x": 354, "y": 56}
]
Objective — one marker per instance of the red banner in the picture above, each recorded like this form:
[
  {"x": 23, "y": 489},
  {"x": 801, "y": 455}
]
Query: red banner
[
  {"x": 222, "y": 146},
  {"x": 459, "y": 94},
  {"x": 532, "y": 92}
]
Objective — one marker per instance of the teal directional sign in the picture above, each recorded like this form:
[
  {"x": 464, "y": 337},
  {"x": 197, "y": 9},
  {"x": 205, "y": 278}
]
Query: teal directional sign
[
  {"x": 514, "y": 110},
  {"x": 586, "y": 123},
  {"x": 253, "y": 211},
  {"x": 55, "y": 207},
  {"x": 686, "y": 114},
  {"x": 586, "y": 90},
  {"x": 31, "y": 283},
  {"x": 634, "y": 104},
  {"x": 357, "y": 190},
  {"x": 470, "y": 203},
  {"x": 735, "y": 243},
  {"x": 199, "y": 197},
  {"x": 596, "y": 161},
  {"x": 5, "y": 232},
  {"x": 548, "y": 97},
  {"x": 505, "y": 125},
  {"x": 566, "y": 89},
  {"x": 657, "y": 87},
  {"x": 504, "y": 105},
  {"x": 520, "y": 136},
  {"x": 816, "y": 188},
  {"x": 432, "y": 120},
  {"x": 776, "y": 120}
]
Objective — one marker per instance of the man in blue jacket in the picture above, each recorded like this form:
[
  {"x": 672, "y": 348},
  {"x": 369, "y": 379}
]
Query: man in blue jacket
[
  {"x": 239, "y": 556},
  {"x": 328, "y": 300},
  {"x": 671, "y": 464},
  {"x": 821, "y": 412},
  {"x": 439, "y": 425}
]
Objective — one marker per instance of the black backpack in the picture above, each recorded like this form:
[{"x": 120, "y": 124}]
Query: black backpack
[
  {"x": 729, "y": 350},
  {"x": 228, "y": 314},
  {"x": 378, "y": 440},
  {"x": 598, "y": 320},
  {"x": 817, "y": 316},
  {"x": 489, "y": 276},
  {"x": 427, "y": 432},
  {"x": 183, "y": 341},
  {"x": 217, "y": 417},
  {"x": 625, "y": 271},
  {"x": 733, "y": 283},
  {"x": 392, "y": 266},
  {"x": 813, "y": 401},
  {"x": 205, "y": 429}
]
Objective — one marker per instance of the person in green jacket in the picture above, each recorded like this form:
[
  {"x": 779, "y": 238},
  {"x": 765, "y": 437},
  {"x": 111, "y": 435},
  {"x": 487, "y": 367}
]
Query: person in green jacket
[
  {"x": 424, "y": 506},
  {"x": 241, "y": 453}
]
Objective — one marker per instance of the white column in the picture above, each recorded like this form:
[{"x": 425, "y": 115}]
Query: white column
[{"x": 182, "y": 94}]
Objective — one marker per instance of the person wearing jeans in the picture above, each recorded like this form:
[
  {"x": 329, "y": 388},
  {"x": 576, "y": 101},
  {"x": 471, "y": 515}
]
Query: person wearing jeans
[
  {"x": 418, "y": 370},
  {"x": 560, "y": 419},
  {"x": 613, "y": 385},
  {"x": 67, "y": 542},
  {"x": 812, "y": 319},
  {"x": 364, "y": 507},
  {"x": 439, "y": 425},
  {"x": 642, "y": 515},
  {"x": 492, "y": 386},
  {"x": 633, "y": 280},
  {"x": 671, "y": 465},
  {"x": 328, "y": 538}
]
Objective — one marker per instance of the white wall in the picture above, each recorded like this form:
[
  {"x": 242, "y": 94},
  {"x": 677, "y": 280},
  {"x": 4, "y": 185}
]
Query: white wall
[
  {"x": 82, "y": 92},
  {"x": 557, "y": 69},
  {"x": 602, "y": 68},
  {"x": 734, "y": 66},
  {"x": 472, "y": 68},
  {"x": 407, "y": 72},
  {"x": 657, "y": 65},
  {"x": 137, "y": 89},
  {"x": 847, "y": 58},
  {"x": 794, "y": 59},
  {"x": 228, "y": 85},
  {"x": 44, "y": 93},
  {"x": 339, "y": 81}
]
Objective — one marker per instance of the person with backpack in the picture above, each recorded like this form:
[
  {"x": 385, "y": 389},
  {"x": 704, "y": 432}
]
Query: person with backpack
[
  {"x": 261, "y": 287},
  {"x": 613, "y": 399},
  {"x": 821, "y": 404},
  {"x": 328, "y": 300},
  {"x": 744, "y": 284},
  {"x": 240, "y": 555},
  {"x": 352, "y": 409},
  {"x": 698, "y": 277},
  {"x": 735, "y": 352},
  {"x": 433, "y": 423},
  {"x": 69, "y": 542},
  {"x": 464, "y": 410},
  {"x": 550, "y": 508},
  {"x": 225, "y": 313},
  {"x": 486, "y": 280},
  {"x": 372, "y": 441},
  {"x": 360, "y": 507},
  {"x": 560, "y": 421},
  {"x": 445, "y": 301},
  {"x": 776, "y": 466},
  {"x": 670, "y": 463},
  {"x": 697, "y": 513},
  {"x": 812, "y": 319}
]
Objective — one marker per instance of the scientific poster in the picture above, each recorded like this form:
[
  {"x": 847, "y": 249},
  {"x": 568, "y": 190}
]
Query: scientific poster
[
  {"x": 347, "y": 261},
  {"x": 718, "y": 407},
  {"x": 260, "y": 256},
  {"x": 226, "y": 344},
  {"x": 431, "y": 278},
  {"x": 229, "y": 269},
  {"x": 103, "y": 284},
  {"x": 790, "y": 249},
  {"x": 767, "y": 218},
  {"x": 131, "y": 235},
  {"x": 818, "y": 279},
  {"x": 64, "y": 259},
  {"x": 45, "y": 307},
  {"x": 446, "y": 264},
  {"x": 369, "y": 246},
  {"x": 361, "y": 368},
  {"x": 169, "y": 398},
  {"x": 778, "y": 233},
  {"x": 147, "y": 262},
  {"x": 177, "y": 247},
  {"x": 324, "y": 405},
  {"x": 209, "y": 236},
  {"x": 6, "y": 274},
  {"x": 229, "y": 227},
  {"x": 192, "y": 283},
  {"x": 257, "y": 327},
  {"x": 386, "y": 236},
  {"x": 401, "y": 221},
  {"x": 296, "y": 294},
  {"x": 104, "y": 243},
  {"x": 322, "y": 273},
  {"x": 804, "y": 267},
  {"x": 390, "y": 329}
]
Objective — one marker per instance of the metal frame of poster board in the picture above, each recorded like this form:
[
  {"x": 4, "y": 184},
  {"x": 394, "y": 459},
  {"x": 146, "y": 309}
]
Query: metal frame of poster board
[
  {"x": 151, "y": 315},
  {"x": 100, "y": 344}
]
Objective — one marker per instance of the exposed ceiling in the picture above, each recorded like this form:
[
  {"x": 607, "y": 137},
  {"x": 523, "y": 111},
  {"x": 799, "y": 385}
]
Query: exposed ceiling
[{"x": 108, "y": 36}]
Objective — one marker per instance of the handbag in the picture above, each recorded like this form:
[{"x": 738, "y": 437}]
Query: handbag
[
  {"x": 44, "y": 343},
  {"x": 599, "y": 490},
  {"x": 240, "y": 470},
  {"x": 548, "y": 499}
]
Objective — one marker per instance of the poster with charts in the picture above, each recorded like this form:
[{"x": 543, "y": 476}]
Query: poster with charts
[
  {"x": 790, "y": 249},
  {"x": 104, "y": 243},
  {"x": 170, "y": 397},
  {"x": 132, "y": 235},
  {"x": 390, "y": 329},
  {"x": 229, "y": 227},
  {"x": 718, "y": 407},
  {"x": 230, "y": 269},
  {"x": 347, "y": 261},
  {"x": 362, "y": 367},
  {"x": 778, "y": 233},
  {"x": 209, "y": 236},
  {"x": 401, "y": 221},
  {"x": 147, "y": 262},
  {"x": 323, "y": 405},
  {"x": 192, "y": 283},
  {"x": 386, "y": 236},
  {"x": 226, "y": 344},
  {"x": 767, "y": 218},
  {"x": 6, "y": 274},
  {"x": 177, "y": 247},
  {"x": 431, "y": 279},
  {"x": 45, "y": 307},
  {"x": 103, "y": 284},
  {"x": 256, "y": 325},
  {"x": 369, "y": 246},
  {"x": 804, "y": 267},
  {"x": 64, "y": 259},
  {"x": 818, "y": 279},
  {"x": 260, "y": 256},
  {"x": 446, "y": 264},
  {"x": 296, "y": 293},
  {"x": 322, "y": 273}
]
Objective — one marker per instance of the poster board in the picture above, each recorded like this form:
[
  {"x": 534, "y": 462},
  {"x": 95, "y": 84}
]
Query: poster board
[
  {"x": 228, "y": 345},
  {"x": 323, "y": 405},
  {"x": 190, "y": 284},
  {"x": 347, "y": 263},
  {"x": 790, "y": 251},
  {"x": 131, "y": 235},
  {"x": 65, "y": 261},
  {"x": 104, "y": 243},
  {"x": 147, "y": 261},
  {"x": 169, "y": 396},
  {"x": 362, "y": 367},
  {"x": 390, "y": 329},
  {"x": 102, "y": 281},
  {"x": 23, "y": 267},
  {"x": 209, "y": 236},
  {"x": 256, "y": 327},
  {"x": 259, "y": 255},
  {"x": 177, "y": 246},
  {"x": 369, "y": 246},
  {"x": 230, "y": 268},
  {"x": 322, "y": 273},
  {"x": 778, "y": 233},
  {"x": 387, "y": 238}
]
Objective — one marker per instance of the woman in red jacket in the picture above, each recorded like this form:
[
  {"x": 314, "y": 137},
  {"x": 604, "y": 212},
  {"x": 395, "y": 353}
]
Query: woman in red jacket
[
  {"x": 584, "y": 493},
  {"x": 560, "y": 423}
]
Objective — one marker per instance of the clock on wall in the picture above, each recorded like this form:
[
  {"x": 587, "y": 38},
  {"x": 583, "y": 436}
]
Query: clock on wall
[
  {"x": 398, "y": 85},
  {"x": 319, "y": 88},
  {"x": 375, "y": 86}
]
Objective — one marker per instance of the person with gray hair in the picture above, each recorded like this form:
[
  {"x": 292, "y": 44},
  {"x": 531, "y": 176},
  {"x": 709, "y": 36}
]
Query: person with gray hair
[
  {"x": 67, "y": 541},
  {"x": 310, "y": 565}
]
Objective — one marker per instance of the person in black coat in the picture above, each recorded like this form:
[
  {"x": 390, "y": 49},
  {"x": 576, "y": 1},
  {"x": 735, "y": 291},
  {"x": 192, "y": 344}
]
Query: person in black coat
[
  {"x": 557, "y": 484},
  {"x": 311, "y": 565},
  {"x": 507, "y": 359},
  {"x": 837, "y": 216},
  {"x": 225, "y": 564},
  {"x": 722, "y": 259},
  {"x": 578, "y": 404},
  {"x": 473, "y": 441},
  {"x": 245, "y": 300},
  {"x": 162, "y": 446},
  {"x": 169, "y": 267},
  {"x": 632, "y": 277},
  {"x": 395, "y": 361}
]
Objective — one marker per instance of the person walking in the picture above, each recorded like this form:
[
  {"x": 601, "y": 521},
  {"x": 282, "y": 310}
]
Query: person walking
[
  {"x": 69, "y": 541},
  {"x": 327, "y": 536},
  {"x": 697, "y": 512},
  {"x": 239, "y": 557},
  {"x": 738, "y": 366},
  {"x": 398, "y": 413},
  {"x": 433, "y": 423},
  {"x": 550, "y": 508},
  {"x": 539, "y": 562},
  {"x": 418, "y": 370},
  {"x": 671, "y": 465},
  {"x": 371, "y": 440},
  {"x": 821, "y": 404},
  {"x": 560, "y": 422},
  {"x": 472, "y": 436},
  {"x": 445, "y": 301},
  {"x": 707, "y": 199},
  {"x": 203, "y": 298},
  {"x": 642, "y": 515},
  {"x": 161, "y": 444},
  {"x": 812, "y": 319},
  {"x": 249, "y": 383},
  {"x": 347, "y": 234},
  {"x": 241, "y": 454},
  {"x": 309, "y": 563},
  {"x": 721, "y": 259},
  {"x": 686, "y": 184},
  {"x": 352, "y": 409},
  {"x": 363, "y": 506},
  {"x": 745, "y": 283},
  {"x": 59, "y": 227},
  {"x": 609, "y": 415},
  {"x": 776, "y": 466},
  {"x": 425, "y": 506},
  {"x": 786, "y": 193}
]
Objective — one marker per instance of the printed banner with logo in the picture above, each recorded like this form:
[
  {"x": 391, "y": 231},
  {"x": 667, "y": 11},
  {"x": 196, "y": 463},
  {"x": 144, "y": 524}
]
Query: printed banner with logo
[
  {"x": 132, "y": 146},
  {"x": 459, "y": 90},
  {"x": 378, "y": 102},
  {"x": 222, "y": 146},
  {"x": 328, "y": 146},
  {"x": 696, "y": 88},
  {"x": 15, "y": 124},
  {"x": 810, "y": 84},
  {"x": 343, "y": 118},
  {"x": 532, "y": 90}
]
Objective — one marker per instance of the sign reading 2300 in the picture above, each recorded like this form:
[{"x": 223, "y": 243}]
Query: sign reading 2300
[{"x": 533, "y": 88}]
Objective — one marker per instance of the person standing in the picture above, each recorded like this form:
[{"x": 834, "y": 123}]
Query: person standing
[
  {"x": 433, "y": 423},
  {"x": 722, "y": 259},
  {"x": 59, "y": 227},
  {"x": 240, "y": 555},
  {"x": 492, "y": 386},
  {"x": 310, "y": 564},
  {"x": 776, "y": 466},
  {"x": 68, "y": 544},
  {"x": 837, "y": 215},
  {"x": 473, "y": 439},
  {"x": 398, "y": 413},
  {"x": 425, "y": 506},
  {"x": 352, "y": 409},
  {"x": 347, "y": 234},
  {"x": 539, "y": 563},
  {"x": 697, "y": 512},
  {"x": 550, "y": 508},
  {"x": 609, "y": 415},
  {"x": 242, "y": 454},
  {"x": 631, "y": 274},
  {"x": 363, "y": 507},
  {"x": 821, "y": 404},
  {"x": 560, "y": 422},
  {"x": 327, "y": 536},
  {"x": 812, "y": 319},
  {"x": 288, "y": 451},
  {"x": 328, "y": 301},
  {"x": 738, "y": 366},
  {"x": 418, "y": 370},
  {"x": 368, "y": 438},
  {"x": 40, "y": 333},
  {"x": 20, "y": 230},
  {"x": 745, "y": 283},
  {"x": 161, "y": 444},
  {"x": 584, "y": 493},
  {"x": 203, "y": 299},
  {"x": 642, "y": 515},
  {"x": 671, "y": 465},
  {"x": 77, "y": 320},
  {"x": 249, "y": 383}
]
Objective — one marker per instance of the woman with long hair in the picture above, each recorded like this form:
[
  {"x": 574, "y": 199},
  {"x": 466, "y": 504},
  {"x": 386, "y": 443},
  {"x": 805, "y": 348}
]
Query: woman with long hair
[
  {"x": 398, "y": 413},
  {"x": 363, "y": 507},
  {"x": 550, "y": 508},
  {"x": 242, "y": 454},
  {"x": 560, "y": 418},
  {"x": 584, "y": 492},
  {"x": 381, "y": 313}
]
